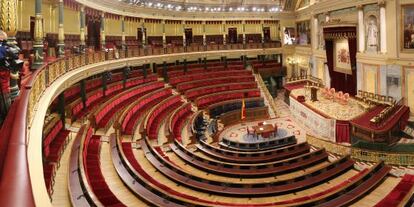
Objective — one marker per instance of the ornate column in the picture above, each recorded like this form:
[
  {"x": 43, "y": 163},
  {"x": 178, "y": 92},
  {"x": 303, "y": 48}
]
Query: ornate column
[
  {"x": 383, "y": 27},
  {"x": 123, "y": 42},
  {"x": 315, "y": 32},
  {"x": 8, "y": 23},
  {"x": 61, "y": 32},
  {"x": 184, "y": 40},
  {"x": 103, "y": 38},
  {"x": 82, "y": 18},
  {"x": 244, "y": 33},
  {"x": 144, "y": 41},
  {"x": 204, "y": 34},
  {"x": 224, "y": 32},
  {"x": 361, "y": 29},
  {"x": 38, "y": 36},
  {"x": 164, "y": 38},
  {"x": 262, "y": 32}
]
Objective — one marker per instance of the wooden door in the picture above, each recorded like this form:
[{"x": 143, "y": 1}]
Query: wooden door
[
  {"x": 232, "y": 35},
  {"x": 188, "y": 32},
  {"x": 266, "y": 34}
]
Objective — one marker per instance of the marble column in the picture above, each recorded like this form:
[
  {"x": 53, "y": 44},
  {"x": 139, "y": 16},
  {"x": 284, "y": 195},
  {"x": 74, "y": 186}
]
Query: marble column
[
  {"x": 123, "y": 41},
  {"x": 82, "y": 19},
  {"x": 262, "y": 32},
  {"x": 144, "y": 39},
  {"x": 361, "y": 29},
  {"x": 204, "y": 34},
  {"x": 224, "y": 32},
  {"x": 184, "y": 39},
  {"x": 103, "y": 37},
  {"x": 61, "y": 31},
  {"x": 315, "y": 32},
  {"x": 164, "y": 38},
  {"x": 383, "y": 27},
  {"x": 244, "y": 33},
  {"x": 38, "y": 36}
]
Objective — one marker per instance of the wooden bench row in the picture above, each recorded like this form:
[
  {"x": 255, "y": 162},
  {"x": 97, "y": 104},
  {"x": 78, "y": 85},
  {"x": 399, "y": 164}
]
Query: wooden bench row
[
  {"x": 103, "y": 115},
  {"x": 252, "y": 157},
  {"x": 129, "y": 118},
  {"x": 175, "y": 124},
  {"x": 216, "y": 109},
  {"x": 202, "y": 91},
  {"x": 158, "y": 113},
  {"x": 206, "y": 100},
  {"x": 310, "y": 179},
  {"x": 183, "y": 87},
  {"x": 207, "y": 75},
  {"x": 257, "y": 146},
  {"x": 76, "y": 109},
  {"x": 250, "y": 170}
]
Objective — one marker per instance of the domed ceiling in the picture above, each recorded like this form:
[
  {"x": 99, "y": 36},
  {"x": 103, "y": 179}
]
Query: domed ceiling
[{"x": 212, "y": 5}]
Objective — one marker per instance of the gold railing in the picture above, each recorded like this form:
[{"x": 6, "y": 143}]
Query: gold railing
[
  {"x": 267, "y": 94},
  {"x": 364, "y": 155},
  {"x": 308, "y": 78}
]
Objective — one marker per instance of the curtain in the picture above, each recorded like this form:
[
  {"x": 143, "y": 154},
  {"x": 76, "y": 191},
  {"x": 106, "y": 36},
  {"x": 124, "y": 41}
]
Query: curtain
[
  {"x": 342, "y": 132},
  {"x": 341, "y": 81}
]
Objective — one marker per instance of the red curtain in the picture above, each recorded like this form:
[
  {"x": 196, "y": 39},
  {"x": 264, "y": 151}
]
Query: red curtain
[
  {"x": 341, "y": 81},
  {"x": 342, "y": 132}
]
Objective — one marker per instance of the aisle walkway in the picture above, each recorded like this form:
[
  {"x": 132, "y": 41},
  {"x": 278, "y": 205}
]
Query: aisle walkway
[
  {"x": 61, "y": 195},
  {"x": 113, "y": 180}
]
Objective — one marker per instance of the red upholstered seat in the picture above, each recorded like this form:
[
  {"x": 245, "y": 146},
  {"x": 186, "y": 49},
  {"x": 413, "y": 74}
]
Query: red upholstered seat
[{"x": 399, "y": 192}]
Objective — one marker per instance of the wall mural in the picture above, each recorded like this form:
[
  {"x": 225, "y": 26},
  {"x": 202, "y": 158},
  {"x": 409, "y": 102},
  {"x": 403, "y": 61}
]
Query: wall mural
[
  {"x": 304, "y": 33},
  {"x": 289, "y": 36},
  {"x": 408, "y": 25},
  {"x": 342, "y": 60}
]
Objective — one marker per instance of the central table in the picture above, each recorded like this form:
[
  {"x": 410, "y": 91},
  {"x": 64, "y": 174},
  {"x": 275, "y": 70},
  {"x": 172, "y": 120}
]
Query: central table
[{"x": 265, "y": 130}]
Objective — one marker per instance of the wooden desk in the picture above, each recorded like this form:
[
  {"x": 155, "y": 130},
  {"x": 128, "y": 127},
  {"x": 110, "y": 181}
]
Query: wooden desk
[{"x": 265, "y": 130}]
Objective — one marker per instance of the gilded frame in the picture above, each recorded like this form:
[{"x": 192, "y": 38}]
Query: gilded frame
[{"x": 403, "y": 26}]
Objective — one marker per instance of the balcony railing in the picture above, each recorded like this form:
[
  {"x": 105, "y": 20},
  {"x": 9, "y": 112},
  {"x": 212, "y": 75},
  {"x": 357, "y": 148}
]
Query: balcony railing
[{"x": 16, "y": 188}]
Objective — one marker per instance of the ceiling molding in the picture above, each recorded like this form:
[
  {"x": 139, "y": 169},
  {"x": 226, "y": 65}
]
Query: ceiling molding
[{"x": 120, "y": 8}]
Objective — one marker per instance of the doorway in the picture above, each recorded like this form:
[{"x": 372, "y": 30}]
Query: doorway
[
  {"x": 94, "y": 32},
  {"x": 188, "y": 32},
  {"x": 266, "y": 34},
  {"x": 32, "y": 27},
  {"x": 232, "y": 35},
  {"x": 140, "y": 34}
]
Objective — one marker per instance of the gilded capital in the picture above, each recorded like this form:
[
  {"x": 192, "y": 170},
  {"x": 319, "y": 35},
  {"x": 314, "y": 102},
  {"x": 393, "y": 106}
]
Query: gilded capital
[{"x": 8, "y": 17}]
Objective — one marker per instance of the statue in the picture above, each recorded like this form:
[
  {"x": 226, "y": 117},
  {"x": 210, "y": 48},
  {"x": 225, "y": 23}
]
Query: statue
[{"x": 372, "y": 35}]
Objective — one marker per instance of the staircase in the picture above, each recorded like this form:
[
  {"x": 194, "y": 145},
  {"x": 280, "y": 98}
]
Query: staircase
[{"x": 268, "y": 98}]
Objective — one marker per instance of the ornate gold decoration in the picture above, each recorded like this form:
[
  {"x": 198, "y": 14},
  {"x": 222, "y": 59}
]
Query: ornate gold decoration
[
  {"x": 8, "y": 17},
  {"x": 362, "y": 154}
]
